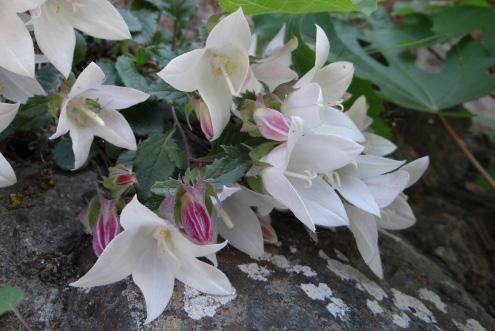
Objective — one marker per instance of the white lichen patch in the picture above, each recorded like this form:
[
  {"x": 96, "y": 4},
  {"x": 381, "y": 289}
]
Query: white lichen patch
[
  {"x": 256, "y": 272},
  {"x": 281, "y": 262},
  {"x": 347, "y": 272},
  {"x": 375, "y": 307},
  {"x": 198, "y": 305},
  {"x": 428, "y": 295},
  {"x": 338, "y": 308},
  {"x": 407, "y": 303},
  {"x": 401, "y": 320},
  {"x": 320, "y": 292},
  {"x": 471, "y": 325}
]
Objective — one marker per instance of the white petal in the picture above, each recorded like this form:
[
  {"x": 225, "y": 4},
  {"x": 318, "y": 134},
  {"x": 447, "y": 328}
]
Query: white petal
[
  {"x": 416, "y": 169},
  {"x": 276, "y": 43},
  {"x": 246, "y": 234},
  {"x": 219, "y": 101},
  {"x": 182, "y": 71},
  {"x": 306, "y": 103},
  {"x": 18, "y": 88},
  {"x": 203, "y": 277},
  {"x": 377, "y": 145},
  {"x": 135, "y": 215},
  {"x": 322, "y": 47},
  {"x": 251, "y": 83},
  {"x": 16, "y": 45},
  {"x": 227, "y": 192},
  {"x": 357, "y": 113},
  {"x": 263, "y": 203},
  {"x": 82, "y": 138},
  {"x": 64, "y": 123},
  {"x": 187, "y": 248},
  {"x": 337, "y": 123},
  {"x": 254, "y": 45},
  {"x": 307, "y": 78},
  {"x": 324, "y": 205},
  {"x": 323, "y": 153},
  {"x": 398, "y": 215},
  {"x": 7, "y": 114},
  {"x": 100, "y": 19},
  {"x": 20, "y": 6},
  {"x": 91, "y": 78},
  {"x": 116, "y": 130},
  {"x": 7, "y": 174},
  {"x": 356, "y": 192},
  {"x": 116, "y": 97},
  {"x": 363, "y": 226},
  {"x": 370, "y": 166},
  {"x": 155, "y": 278},
  {"x": 234, "y": 28},
  {"x": 53, "y": 28},
  {"x": 385, "y": 188},
  {"x": 280, "y": 188},
  {"x": 376, "y": 265},
  {"x": 334, "y": 80},
  {"x": 118, "y": 260}
]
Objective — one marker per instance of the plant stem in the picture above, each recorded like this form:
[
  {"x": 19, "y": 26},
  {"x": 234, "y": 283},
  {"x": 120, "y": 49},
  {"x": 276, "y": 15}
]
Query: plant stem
[
  {"x": 462, "y": 145},
  {"x": 187, "y": 149},
  {"x": 21, "y": 319}
]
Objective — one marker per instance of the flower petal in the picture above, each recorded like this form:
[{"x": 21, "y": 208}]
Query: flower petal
[
  {"x": 234, "y": 28},
  {"x": 19, "y": 88},
  {"x": 398, "y": 215},
  {"x": 53, "y": 28},
  {"x": 377, "y": 145},
  {"x": 385, "y": 188},
  {"x": 337, "y": 123},
  {"x": 276, "y": 43},
  {"x": 203, "y": 277},
  {"x": 363, "y": 226},
  {"x": 82, "y": 138},
  {"x": 219, "y": 101},
  {"x": 116, "y": 97},
  {"x": 357, "y": 113},
  {"x": 190, "y": 249},
  {"x": 322, "y": 47},
  {"x": 154, "y": 275},
  {"x": 16, "y": 45},
  {"x": 324, "y": 205},
  {"x": 135, "y": 215},
  {"x": 334, "y": 80},
  {"x": 7, "y": 174},
  {"x": 246, "y": 234},
  {"x": 306, "y": 103},
  {"x": 7, "y": 114},
  {"x": 357, "y": 193},
  {"x": 370, "y": 166},
  {"x": 100, "y": 19},
  {"x": 116, "y": 130},
  {"x": 92, "y": 77},
  {"x": 118, "y": 260},
  {"x": 416, "y": 169},
  {"x": 182, "y": 71},
  {"x": 20, "y": 6}
]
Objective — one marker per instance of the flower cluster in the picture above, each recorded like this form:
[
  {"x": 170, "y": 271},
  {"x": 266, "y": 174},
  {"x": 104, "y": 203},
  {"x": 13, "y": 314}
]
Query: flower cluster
[{"x": 312, "y": 156}]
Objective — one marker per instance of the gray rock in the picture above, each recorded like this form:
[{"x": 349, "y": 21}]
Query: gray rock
[{"x": 299, "y": 285}]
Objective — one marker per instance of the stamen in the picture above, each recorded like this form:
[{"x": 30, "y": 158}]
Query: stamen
[
  {"x": 162, "y": 236},
  {"x": 333, "y": 179},
  {"x": 93, "y": 116},
  {"x": 227, "y": 80},
  {"x": 308, "y": 177}
]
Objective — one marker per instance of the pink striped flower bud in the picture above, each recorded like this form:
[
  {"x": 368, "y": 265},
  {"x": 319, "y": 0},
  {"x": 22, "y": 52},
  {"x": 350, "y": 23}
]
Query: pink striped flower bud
[
  {"x": 267, "y": 230},
  {"x": 204, "y": 118},
  {"x": 194, "y": 216},
  {"x": 272, "y": 124},
  {"x": 107, "y": 225}
]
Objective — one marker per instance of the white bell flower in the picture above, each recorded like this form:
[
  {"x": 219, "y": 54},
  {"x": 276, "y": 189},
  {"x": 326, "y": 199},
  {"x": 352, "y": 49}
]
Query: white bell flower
[
  {"x": 155, "y": 253},
  {"x": 90, "y": 110},
  {"x": 18, "y": 88},
  {"x": 7, "y": 115},
  {"x": 55, "y": 21},
  {"x": 216, "y": 71}
]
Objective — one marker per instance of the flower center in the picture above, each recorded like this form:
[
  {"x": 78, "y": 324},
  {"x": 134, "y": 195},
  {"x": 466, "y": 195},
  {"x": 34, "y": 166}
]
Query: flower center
[
  {"x": 221, "y": 65},
  {"x": 333, "y": 179},
  {"x": 73, "y": 3},
  {"x": 307, "y": 176},
  {"x": 162, "y": 237},
  {"x": 83, "y": 111}
]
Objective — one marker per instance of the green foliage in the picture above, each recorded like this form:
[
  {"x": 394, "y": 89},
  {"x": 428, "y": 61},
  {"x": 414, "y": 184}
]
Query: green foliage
[
  {"x": 149, "y": 117},
  {"x": 157, "y": 159},
  {"x": 63, "y": 155},
  {"x": 225, "y": 172},
  {"x": 255, "y": 7},
  {"x": 49, "y": 78},
  {"x": 128, "y": 72},
  {"x": 80, "y": 50},
  {"x": 10, "y": 298}
]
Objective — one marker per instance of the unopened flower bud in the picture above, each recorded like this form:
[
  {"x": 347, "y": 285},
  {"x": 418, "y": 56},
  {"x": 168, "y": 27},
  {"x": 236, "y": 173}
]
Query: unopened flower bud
[
  {"x": 204, "y": 118},
  {"x": 267, "y": 230},
  {"x": 119, "y": 180},
  {"x": 195, "y": 218},
  {"x": 167, "y": 207},
  {"x": 107, "y": 225},
  {"x": 272, "y": 124}
]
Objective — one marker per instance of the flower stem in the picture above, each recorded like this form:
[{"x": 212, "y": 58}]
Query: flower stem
[
  {"x": 21, "y": 319},
  {"x": 463, "y": 147},
  {"x": 187, "y": 148}
]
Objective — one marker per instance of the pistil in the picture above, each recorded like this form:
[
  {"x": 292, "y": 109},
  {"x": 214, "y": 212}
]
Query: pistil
[{"x": 308, "y": 176}]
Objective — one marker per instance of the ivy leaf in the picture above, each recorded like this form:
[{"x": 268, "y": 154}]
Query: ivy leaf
[
  {"x": 10, "y": 298},
  {"x": 128, "y": 72},
  {"x": 157, "y": 159},
  {"x": 255, "y": 7},
  {"x": 225, "y": 172}
]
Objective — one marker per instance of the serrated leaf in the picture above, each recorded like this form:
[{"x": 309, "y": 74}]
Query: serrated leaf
[
  {"x": 166, "y": 187},
  {"x": 131, "y": 20},
  {"x": 49, "y": 78},
  {"x": 148, "y": 20},
  {"x": 167, "y": 93},
  {"x": 130, "y": 75},
  {"x": 225, "y": 172},
  {"x": 157, "y": 159},
  {"x": 255, "y": 7},
  {"x": 148, "y": 117},
  {"x": 10, "y": 298},
  {"x": 108, "y": 67}
]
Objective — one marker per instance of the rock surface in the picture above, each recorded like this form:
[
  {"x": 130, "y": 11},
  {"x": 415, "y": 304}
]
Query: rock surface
[{"x": 298, "y": 285}]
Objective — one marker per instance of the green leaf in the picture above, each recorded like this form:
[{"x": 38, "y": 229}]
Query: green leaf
[
  {"x": 225, "y": 172},
  {"x": 63, "y": 155},
  {"x": 49, "y": 78},
  {"x": 10, "y": 298},
  {"x": 165, "y": 92},
  {"x": 166, "y": 187},
  {"x": 131, "y": 20},
  {"x": 149, "y": 117},
  {"x": 128, "y": 72},
  {"x": 148, "y": 20},
  {"x": 80, "y": 50},
  {"x": 255, "y": 7},
  {"x": 157, "y": 159},
  {"x": 108, "y": 67},
  {"x": 142, "y": 56}
]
